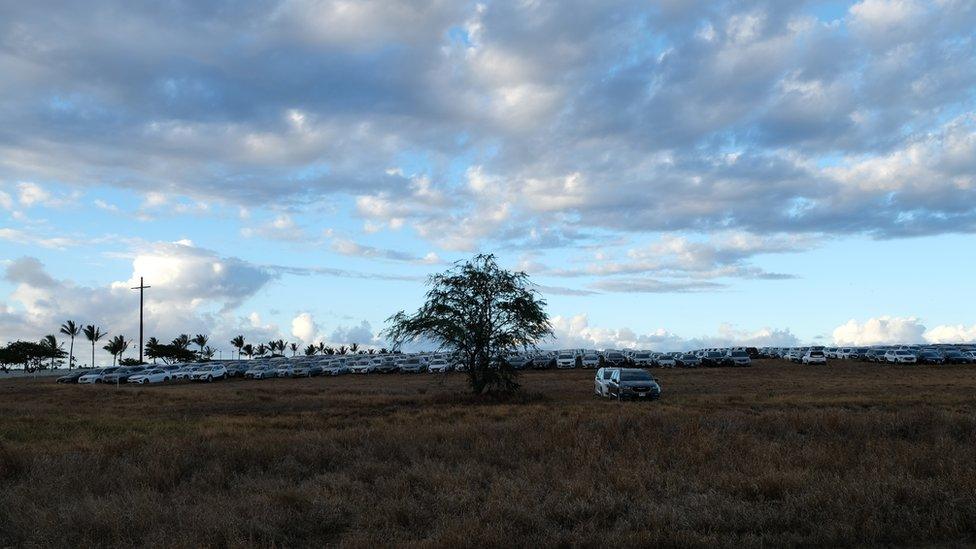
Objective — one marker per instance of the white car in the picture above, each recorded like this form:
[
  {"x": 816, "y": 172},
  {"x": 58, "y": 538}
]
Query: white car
[
  {"x": 600, "y": 381},
  {"x": 284, "y": 370},
  {"x": 95, "y": 376},
  {"x": 900, "y": 356},
  {"x": 590, "y": 360},
  {"x": 411, "y": 365},
  {"x": 566, "y": 360},
  {"x": 184, "y": 372},
  {"x": 362, "y": 366},
  {"x": 814, "y": 357},
  {"x": 156, "y": 375},
  {"x": 642, "y": 359},
  {"x": 439, "y": 366},
  {"x": 261, "y": 371},
  {"x": 208, "y": 373}
]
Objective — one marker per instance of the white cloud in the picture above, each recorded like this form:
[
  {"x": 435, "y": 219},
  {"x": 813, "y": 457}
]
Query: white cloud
[
  {"x": 880, "y": 331},
  {"x": 951, "y": 334},
  {"x": 304, "y": 328},
  {"x": 30, "y": 194}
]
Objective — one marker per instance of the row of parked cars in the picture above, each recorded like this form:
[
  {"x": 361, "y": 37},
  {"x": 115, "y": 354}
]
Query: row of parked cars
[{"x": 891, "y": 354}]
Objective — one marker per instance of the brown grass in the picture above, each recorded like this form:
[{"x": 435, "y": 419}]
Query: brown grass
[{"x": 777, "y": 454}]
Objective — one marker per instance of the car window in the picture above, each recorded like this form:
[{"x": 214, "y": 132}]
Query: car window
[{"x": 636, "y": 376}]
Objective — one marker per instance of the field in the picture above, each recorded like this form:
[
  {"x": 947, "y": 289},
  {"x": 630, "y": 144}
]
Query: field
[{"x": 777, "y": 454}]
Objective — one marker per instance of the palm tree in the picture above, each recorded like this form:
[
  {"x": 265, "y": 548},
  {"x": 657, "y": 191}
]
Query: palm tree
[
  {"x": 117, "y": 345},
  {"x": 248, "y": 350},
  {"x": 93, "y": 333},
  {"x": 354, "y": 348},
  {"x": 321, "y": 347},
  {"x": 281, "y": 346},
  {"x": 201, "y": 341},
  {"x": 261, "y": 350},
  {"x": 151, "y": 347},
  {"x": 71, "y": 329},
  {"x": 293, "y": 347},
  {"x": 53, "y": 348},
  {"x": 238, "y": 343},
  {"x": 207, "y": 352},
  {"x": 342, "y": 350},
  {"x": 310, "y": 350},
  {"x": 182, "y": 341}
]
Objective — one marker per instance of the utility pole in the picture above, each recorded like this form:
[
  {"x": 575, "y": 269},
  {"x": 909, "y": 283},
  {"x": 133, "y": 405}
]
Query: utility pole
[{"x": 141, "y": 287}]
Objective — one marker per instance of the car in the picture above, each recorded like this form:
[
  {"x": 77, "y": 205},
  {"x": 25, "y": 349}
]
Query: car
[
  {"x": 153, "y": 375},
  {"x": 615, "y": 359},
  {"x": 411, "y": 365},
  {"x": 666, "y": 361},
  {"x": 440, "y": 366},
  {"x": 122, "y": 375},
  {"x": 208, "y": 373},
  {"x": 713, "y": 358},
  {"x": 632, "y": 383},
  {"x": 96, "y": 376},
  {"x": 929, "y": 357},
  {"x": 284, "y": 369},
  {"x": 590, "y": 360},
  {"x": 184, "y": 371},
  {"x": 957, "y": 357},
  {"x": 261, "y": 371},
  {"x": 236, "y": 369},
  {"x": 301, "y": 370},
  {"x": 72, "y": 377},
  {"x": 385, "y": 364},
  {"x": 601, "y": 380},
  {"x": 516, "y": 361},
  {"x": 814, "y": 357},
  {"x": 738, "y": 358},
  {"x": 334, "y": 368},
  {"x": 642, "y": 359},
  {"x": 362, "y": 366},
  {"x": 566, "y": 359},
  {"x": 900, "y": 356},
  {"x": 688, "y": 361}
]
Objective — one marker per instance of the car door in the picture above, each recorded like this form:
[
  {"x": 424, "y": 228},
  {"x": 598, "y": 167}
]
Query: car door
[{"x": 613, "y": 386}]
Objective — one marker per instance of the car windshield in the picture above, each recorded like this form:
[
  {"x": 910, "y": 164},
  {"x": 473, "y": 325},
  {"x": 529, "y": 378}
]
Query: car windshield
[
  {"x": 686, "y": 357},
  {"x": 635, "y": 376},
  {"x": 642, "y": 355},
  {"x": 714, "y": 354},
  {"x": 740, "y": 354},
  {"x": 902, "y": 353},
  {"x": 816, "y": 353}
]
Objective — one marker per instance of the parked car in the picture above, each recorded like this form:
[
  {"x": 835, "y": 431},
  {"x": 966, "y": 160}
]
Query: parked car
[
  {"x": 284, "y": 369},
  {"x": 929, "y": 357},
  {"x": 688, "y": 361},
  {"x": 386, "y": 364},
  {"x": 633, "y": 383},
  {"x": 209, "y": 373},
  {"x": 362, "y": 366},
  {"x": 334, "y": 368},
  {"x": 737, "y": 358},
  {"x": 814, "y": 357},
  {"x": 713, "y": 358},
  {"x": 153, "y": 375},
  {"x": 261, "y": 371},
  {"x": 666, "y": 361},
  {"x": 95, "y": 376},
  {"x": 590, "y": 360},
  {"x": 72, "y": 377},
  {"x": 184, "y": 371},
  {"x": 517, "y": 361},
  {"x": 411, "y": 365},
  {"x": 957, "y": 357},
  {"x": 615, "y": 359},
  {"x": 900, "y": 356},
  {"x": 566, "y": 359},
  {"x": 642, "y": 359},
  {"x": 122, "y": 375},
  {"x": 301, "y": 370},
  {"x": 441, "y": 365},
  {"x": 601, "y": 380}
]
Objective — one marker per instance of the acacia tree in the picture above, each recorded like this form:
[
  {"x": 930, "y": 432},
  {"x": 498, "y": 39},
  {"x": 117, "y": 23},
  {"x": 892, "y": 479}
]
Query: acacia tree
[{"x": 480, "y": 312}]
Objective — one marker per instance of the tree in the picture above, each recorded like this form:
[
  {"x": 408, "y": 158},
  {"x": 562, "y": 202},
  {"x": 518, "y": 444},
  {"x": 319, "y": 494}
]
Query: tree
[
  {"x": 341, "y": 350},
  {"x": 93, "y": 333},
  {"x": 52, "y": 348},
  {"x": 238, "y": 343},
  {"x": 293, "y": 347},
  {"x": 248, "y": 350},
  {"x": 207, "y": 352},
  {"x": 28, "y": 354},
  {"x": 261, "y": 349},
  {"x": 479, "y": 311},
  {"x": 172, "y": 354},
  {"x": 116, "y": 346},
  {"x": 70, "y": 329},
  {"x": 152, "y": 349},
  {"x": 310, "y": 350},
  {"x": 354, "y": 348},
  {"x": 321, "y": 347},
  {"x": 182, "y": 341},
  {"x": 200, "y": 340}
]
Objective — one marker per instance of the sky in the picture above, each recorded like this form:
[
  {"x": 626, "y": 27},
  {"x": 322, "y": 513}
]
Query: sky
[{"x": 671, "y": 174}]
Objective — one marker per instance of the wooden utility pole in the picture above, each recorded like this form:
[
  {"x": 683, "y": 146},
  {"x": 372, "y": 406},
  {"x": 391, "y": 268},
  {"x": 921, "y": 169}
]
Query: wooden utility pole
[{"x": 141, "y": 287}]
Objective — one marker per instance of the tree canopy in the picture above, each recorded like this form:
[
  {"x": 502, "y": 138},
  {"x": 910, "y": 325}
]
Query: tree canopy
[{"x": 480, "y": 312}]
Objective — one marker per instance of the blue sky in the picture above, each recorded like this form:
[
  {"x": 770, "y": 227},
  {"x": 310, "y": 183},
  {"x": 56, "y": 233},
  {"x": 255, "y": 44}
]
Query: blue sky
[{"x": 671, "y": 174}]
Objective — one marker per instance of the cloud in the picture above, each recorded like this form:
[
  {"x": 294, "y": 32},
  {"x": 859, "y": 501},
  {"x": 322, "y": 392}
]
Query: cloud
[
  {"x": 951, "y": 334},
  {"x": 354, "y": 249},
  {"x": 576, "y": 332},
  {"x": 879, "y": 331},
  {"x": 304, "y": 328}
]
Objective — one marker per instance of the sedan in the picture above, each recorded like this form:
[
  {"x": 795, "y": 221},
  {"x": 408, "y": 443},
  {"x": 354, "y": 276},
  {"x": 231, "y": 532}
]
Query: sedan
[
  {"x": 95, "y": 376},
  {"x": 440, "y": 366},
  {"x": 957, "y": 357},
  {"x": 73, "y": 376},
  {"x": 689, "y": 361}
]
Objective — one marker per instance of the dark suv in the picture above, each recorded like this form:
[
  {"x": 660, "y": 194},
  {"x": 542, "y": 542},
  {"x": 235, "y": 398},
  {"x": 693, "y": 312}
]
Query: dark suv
[{"x": 633, "y": 383}]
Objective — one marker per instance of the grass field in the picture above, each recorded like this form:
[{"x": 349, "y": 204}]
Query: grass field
[{"x": 777, "y": 454}]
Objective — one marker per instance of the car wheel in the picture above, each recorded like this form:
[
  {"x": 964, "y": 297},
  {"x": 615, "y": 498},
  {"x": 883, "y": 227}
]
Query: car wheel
[
  {"x": 209, "y": 378},
  {"x": 165, "y": 380}
]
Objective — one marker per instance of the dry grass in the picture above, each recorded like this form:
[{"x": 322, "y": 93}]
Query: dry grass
[{"x": 777, "y": 454}]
